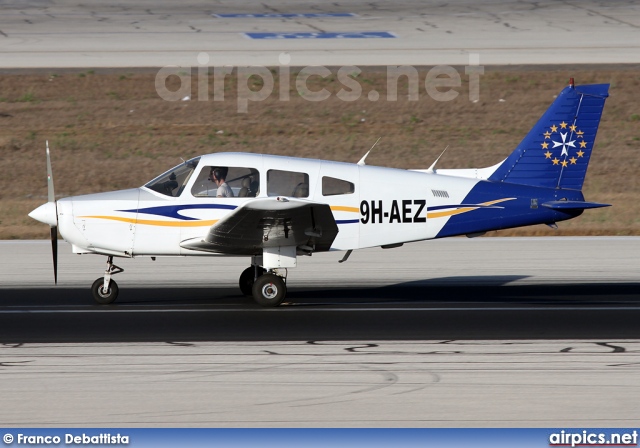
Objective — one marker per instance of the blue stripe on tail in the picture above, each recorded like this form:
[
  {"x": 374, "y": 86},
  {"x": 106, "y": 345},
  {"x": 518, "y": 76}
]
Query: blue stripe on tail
[{"x": 556, "y": 152}]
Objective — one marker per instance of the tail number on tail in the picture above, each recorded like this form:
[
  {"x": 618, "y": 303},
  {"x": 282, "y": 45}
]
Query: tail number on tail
[{"x": 401, "y": 212}]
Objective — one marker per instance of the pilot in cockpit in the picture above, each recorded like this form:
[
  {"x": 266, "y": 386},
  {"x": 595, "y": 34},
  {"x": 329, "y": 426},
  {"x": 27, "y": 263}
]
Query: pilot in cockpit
[{"x": 218, "y": 176}]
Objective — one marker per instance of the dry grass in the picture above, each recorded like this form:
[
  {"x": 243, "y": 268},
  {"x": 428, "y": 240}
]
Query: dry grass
[{"x": 111, "y": 131}]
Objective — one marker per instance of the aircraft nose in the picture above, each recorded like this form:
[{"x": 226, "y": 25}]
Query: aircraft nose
[{"x": 46, "y": 213}]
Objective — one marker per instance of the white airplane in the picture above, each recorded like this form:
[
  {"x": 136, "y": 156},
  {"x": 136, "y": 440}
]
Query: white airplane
[{"x": 273, "y": 209}]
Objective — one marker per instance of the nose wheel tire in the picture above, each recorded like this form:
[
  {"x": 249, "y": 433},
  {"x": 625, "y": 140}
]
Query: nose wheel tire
[
  {"x": 247, "y": 278},
  {"x": 269, "y": 290},
  {"x": 102, "y": 297}
]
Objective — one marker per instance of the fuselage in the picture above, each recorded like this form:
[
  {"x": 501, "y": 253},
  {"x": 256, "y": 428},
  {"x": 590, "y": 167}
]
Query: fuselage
[{"x": 372, "y": 206}]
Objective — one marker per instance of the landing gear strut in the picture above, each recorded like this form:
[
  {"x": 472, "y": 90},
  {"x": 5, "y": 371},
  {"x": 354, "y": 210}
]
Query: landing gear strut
[{"x": 105, "y": 290}]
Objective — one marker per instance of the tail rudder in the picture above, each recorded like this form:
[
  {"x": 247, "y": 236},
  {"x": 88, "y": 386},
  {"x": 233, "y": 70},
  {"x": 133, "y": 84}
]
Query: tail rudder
[{"x": 557, "y": 150}]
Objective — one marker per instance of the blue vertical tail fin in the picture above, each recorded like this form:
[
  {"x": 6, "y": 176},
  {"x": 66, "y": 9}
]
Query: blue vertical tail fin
[{"x": 557, "y": 150}]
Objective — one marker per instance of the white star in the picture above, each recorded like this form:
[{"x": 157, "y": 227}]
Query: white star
[{"x": 564, "y": 144}]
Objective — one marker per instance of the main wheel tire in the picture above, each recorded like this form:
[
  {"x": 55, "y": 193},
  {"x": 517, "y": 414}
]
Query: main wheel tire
[
  {"x": 100, "y": 296},
  {"x": 247, "y": 279},
  {"x": 269, "y": 290}
]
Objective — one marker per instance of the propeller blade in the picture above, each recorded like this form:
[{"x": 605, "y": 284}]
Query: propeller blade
[
  {"x": 54, "y": 251},
  {"x": 54, "y": 228},
  {"x": 52, "y": 196}
]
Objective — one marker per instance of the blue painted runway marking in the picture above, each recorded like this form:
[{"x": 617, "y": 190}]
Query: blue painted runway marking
[
  {"x": 344, "y": 35},
  {"x": 314, "y": 15}
]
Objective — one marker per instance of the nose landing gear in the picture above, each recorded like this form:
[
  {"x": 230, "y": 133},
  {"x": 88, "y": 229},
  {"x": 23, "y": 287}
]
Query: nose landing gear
[{"x": 105, "y": 290}]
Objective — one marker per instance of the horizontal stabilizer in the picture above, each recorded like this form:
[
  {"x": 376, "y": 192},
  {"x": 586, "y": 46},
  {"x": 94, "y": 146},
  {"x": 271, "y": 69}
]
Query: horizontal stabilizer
[{"x": 573, "y": 205}]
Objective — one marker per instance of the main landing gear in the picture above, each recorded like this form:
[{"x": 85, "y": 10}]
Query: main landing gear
[
  {"x": 105, "y": 290},
  {"x": 267, "y": 288}
]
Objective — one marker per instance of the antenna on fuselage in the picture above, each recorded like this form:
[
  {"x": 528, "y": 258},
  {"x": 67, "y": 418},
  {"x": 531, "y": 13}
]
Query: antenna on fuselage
[
  {"x": 361, "y": 162},
  {"x": 432, "y": 168}
]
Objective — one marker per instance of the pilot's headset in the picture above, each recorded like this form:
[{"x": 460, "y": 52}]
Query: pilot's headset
[{"x": 218, "y": 173}]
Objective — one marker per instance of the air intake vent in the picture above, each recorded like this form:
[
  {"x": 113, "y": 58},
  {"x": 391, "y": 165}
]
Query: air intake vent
[{"x": 440, "y": 193}]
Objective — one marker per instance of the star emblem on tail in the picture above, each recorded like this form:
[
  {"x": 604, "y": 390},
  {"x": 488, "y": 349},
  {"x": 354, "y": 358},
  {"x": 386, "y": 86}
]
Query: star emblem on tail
[{"x": 570, "y": 143}]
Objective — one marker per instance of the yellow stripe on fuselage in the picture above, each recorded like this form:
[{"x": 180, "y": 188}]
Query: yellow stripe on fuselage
[
  {"x": 342, "y": 208},
  {"x": 156, "y": 222}
]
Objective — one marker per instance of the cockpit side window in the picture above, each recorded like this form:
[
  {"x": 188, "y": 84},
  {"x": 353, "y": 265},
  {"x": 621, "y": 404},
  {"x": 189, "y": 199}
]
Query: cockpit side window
[
  {"x": 173, "y": 181},
  {"x": 239, "y": 182}
]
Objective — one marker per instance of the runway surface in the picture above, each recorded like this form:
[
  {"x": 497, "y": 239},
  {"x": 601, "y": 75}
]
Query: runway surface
[
  {"x": 486, "y": 288},
  {"x": 63, "y": 33},
  {"x": 483, "y": 332},
  {"x": 502, "y": 332},
  {"x": 564, "y": 384}
]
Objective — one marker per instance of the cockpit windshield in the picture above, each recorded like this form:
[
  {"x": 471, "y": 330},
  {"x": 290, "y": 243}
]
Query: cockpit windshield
[{"x": 173, "y": 181}]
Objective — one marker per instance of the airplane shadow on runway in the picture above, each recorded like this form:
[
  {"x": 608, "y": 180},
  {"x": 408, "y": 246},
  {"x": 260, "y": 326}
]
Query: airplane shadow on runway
[{"x": 461, "y": 290}]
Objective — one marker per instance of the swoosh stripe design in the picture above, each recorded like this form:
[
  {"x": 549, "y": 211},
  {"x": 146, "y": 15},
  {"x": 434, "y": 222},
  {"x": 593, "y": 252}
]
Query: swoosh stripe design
[
  {"x": 173, "y": 211},
  {"x": 465, "y": 209}
]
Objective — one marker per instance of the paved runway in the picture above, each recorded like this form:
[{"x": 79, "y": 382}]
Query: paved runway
[
  {"x": 485, "y": 288},
  {"x": 528, "y": 333},
  {"x": 559, "y": 384},
  {"x": 64, "y": 33}
]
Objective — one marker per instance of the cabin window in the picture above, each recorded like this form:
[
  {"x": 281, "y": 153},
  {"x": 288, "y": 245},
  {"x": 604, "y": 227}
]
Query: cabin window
[
  {"x": 173, "y": 181},
  {"x": 332, "y": 186},
  {"x": 287, "y": 183},
  {"x": 236, "y": 182}
]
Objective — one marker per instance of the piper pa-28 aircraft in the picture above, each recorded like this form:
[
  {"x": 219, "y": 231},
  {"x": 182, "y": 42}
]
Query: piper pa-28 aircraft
[{"x": 273, "y": 209}]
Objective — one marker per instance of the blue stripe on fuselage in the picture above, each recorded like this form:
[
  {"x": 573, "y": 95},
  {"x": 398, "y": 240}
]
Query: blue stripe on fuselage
[{"x": 173, "y": 211}]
